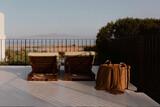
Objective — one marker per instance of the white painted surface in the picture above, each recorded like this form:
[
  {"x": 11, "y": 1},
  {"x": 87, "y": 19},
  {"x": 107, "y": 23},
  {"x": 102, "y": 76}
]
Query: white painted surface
[
  {"x": 2, "y": 24},
  {"x": 2, "y": 37},
  {"x": 16, "y": 91}
]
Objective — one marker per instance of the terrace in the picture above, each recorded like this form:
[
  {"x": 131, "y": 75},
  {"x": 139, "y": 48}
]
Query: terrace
[{"x": 17, "y": 91}]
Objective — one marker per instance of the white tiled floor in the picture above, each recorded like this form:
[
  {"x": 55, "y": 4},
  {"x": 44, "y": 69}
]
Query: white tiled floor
[{"x": 16, "y": 91}]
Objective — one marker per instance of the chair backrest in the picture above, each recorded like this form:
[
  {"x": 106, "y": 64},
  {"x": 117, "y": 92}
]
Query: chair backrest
[
  {"x": 79, "y": 64},
  {"x": 43, "y": 64}
]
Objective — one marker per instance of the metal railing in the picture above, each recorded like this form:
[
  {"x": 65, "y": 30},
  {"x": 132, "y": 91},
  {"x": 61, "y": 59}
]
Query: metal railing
[{"x": 16, "y": 50}]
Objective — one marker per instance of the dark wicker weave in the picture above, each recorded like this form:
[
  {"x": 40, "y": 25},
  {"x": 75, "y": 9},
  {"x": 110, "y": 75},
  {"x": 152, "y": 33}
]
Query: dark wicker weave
[
  {"x": 78, "y": 68},
  {"x": 46, "y": 66}
]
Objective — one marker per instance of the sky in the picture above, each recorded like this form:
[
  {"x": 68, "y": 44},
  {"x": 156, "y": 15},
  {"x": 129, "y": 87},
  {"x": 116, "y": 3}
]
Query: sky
[{"x": 70, "y": 17}]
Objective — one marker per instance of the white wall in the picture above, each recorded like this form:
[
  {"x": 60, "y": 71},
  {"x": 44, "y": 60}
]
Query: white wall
[{"x": 2, "y": 37}]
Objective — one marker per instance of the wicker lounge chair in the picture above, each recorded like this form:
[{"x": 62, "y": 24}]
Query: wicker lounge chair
[
  {"x": 78, "y": 66},
  {"x": 44, "y": 66}
]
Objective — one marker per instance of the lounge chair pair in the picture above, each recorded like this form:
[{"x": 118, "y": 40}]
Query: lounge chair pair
[{"x": 77, "y": 66}]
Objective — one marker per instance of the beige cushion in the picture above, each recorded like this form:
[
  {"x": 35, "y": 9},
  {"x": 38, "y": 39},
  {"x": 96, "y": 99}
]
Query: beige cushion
[
  {"x": 42, "y": 54},
  {"x": 82, "y": 53}
]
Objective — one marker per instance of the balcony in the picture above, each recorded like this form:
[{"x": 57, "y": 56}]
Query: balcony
[{"x": 17, "y": 91}]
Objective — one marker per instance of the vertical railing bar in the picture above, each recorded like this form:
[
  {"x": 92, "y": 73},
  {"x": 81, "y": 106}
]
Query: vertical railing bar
[
  {"x": 36, "y": 45},
  {"x": 41, "y": 45},
  {"x": 1, "y": 48},
  {"x": 5, "y": 42},
  {"x": 86, "y": 43},
  {"x": 45, "y": 45},
  {"x": 66, "y": 45},
  {"x": 62, "y": 45},
  {"x": 17, "y": 52},
  {"x": 33, "y": 45},
  {"x": 25, "y": 52},
  {"x": 29, "y": 45},
  {"x": 70, "y": 44},
  {"x": 4, "y": 60},
  {"x": 53, "y": 45},
  {"x": 90, "y": 42},
  {"x": 9, "y": 52},
  {"x": 78, "y": 45},
  {"x": 13, "y": 50},
  {"x": 49, "y": 45},
  {"x": 74, "y": 45},
  {"x": 82, "y": 43},
  {"x": 21, "y": 50},
  {"x": 58, "y": 45},
  {"x": 30, "y": 42},
  {"x": 72, "y": 49}
]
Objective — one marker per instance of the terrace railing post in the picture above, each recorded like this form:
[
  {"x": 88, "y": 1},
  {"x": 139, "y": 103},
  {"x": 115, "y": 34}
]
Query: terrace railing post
[
  {"x": 17, "y": 53},
  {"x": 70, "y": 44},
  {"x": 74, "y": 45},
  {"x": 45, "y": 45},
  {"x": 53, "y": 46},
  {"x": 82, "y": 43},
  {"x": 61, "y": 45},
  {"x": 25, "y": 52},
  {"x": 9, "y": 52},
  {"x": 86, "y": 42},
  {"x": 66, "y": 45},
  {"x": 13, "y": 51},
  {"x": 49, "y": 46},
  {"x": 78, "y": 45},
  {"x": 90, "y": 43}
]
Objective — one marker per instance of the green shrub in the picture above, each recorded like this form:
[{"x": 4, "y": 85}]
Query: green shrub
[{"x": 113, "y": 37}]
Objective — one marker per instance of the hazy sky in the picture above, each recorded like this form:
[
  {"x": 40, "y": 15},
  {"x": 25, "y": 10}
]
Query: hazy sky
[{"x": 73, "y": 17}]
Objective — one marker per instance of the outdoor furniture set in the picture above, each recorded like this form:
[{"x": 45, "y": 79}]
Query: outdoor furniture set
[
  {"x": 113, "y": 78},
  {"x": 77, "y": 65}
]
